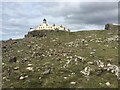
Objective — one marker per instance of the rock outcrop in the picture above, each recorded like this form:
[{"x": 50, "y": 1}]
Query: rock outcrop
[
  {"x": 42, "y": 33},
  {"x": 112, "y": 27}
]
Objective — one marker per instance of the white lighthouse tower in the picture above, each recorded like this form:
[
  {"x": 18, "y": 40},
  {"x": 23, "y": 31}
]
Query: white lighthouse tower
[{"x": 44, "y": 21}]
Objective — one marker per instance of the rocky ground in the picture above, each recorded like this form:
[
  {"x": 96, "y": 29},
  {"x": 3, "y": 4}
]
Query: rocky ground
[{"x": 84, "y": 59}]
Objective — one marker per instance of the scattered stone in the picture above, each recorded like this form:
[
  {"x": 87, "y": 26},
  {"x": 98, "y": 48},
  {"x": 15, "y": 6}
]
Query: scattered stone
[
  {"x": 86, "y": 71},
  {"x": 26, "y": 76},
  {"x": 18, "y": 51},
  {"x": 65, "y": 77},
  {"x": 73, "y": 73},
  {"x": 72, "y": 83},
  {"x": 37, "y": 50},
  {"x": 108, "y": 84},
  {"x": 29, "y": 46},
  {"x": 46, "y": 72},
  {"x": 30, "y": 68},
  {"x": 40, "y": 78},
  {"x": 79, "y": 58},
  {"x": 91, "y": 53},
  {"x": 4, "y": 78},
  {"x": 54, "y": 40},
  {"x": 114, "y": 38},
  {"x": 83, "y": 40},
  {"x": 16, "y": 68},
  {"x": 68, "y": 61},
  {"x": 25, "y": 60},
  {"x": 113, "y": 69},
  {"x": 100, "y": 63},
  {"x": 58, "y": 58},
  {"x": 29, "y": 64},
  {"x": 69, "y": 57},
  {"x": 43, "y": 55},
  {"x": 90, "y": 63},
  {"x": 3, "y": 64},
  {"x": 86, "y": 45},
  {"x": 94, "y": 50},
  {"x": 100, "y": 83},
  {"x": 21, "y": 78}
]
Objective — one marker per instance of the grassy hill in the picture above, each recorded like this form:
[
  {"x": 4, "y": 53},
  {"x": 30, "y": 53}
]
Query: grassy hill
[{"x": 57, "y": 59}]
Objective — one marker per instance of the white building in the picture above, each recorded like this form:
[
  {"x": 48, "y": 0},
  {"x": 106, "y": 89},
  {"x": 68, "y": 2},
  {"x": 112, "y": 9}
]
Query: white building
[{"x": 46, "y": 26}]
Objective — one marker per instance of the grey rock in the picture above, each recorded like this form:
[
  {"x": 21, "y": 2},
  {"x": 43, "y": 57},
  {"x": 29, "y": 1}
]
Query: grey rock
[{"x": 46, "y": 72}]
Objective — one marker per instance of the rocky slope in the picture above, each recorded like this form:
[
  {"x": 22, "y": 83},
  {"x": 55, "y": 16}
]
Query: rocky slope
[{"x": 84, "y": 59}]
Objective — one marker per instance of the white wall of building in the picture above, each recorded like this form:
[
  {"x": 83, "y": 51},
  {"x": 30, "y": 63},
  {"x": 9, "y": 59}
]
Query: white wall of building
[{"x": 45, "y": 26}]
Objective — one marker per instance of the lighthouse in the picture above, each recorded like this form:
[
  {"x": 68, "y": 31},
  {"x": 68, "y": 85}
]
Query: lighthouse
[
  {"x": 44, "y": 21},
  {"x": 46, "y": 26}
]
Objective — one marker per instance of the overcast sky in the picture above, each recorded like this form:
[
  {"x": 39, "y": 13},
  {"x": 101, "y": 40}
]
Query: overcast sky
[{"x": 18, "y": 17}]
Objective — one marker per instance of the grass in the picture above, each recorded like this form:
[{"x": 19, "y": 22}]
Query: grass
[{"x": 54, "y": 49}]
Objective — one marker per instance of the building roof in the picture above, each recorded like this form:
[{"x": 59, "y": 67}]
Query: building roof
[{"x": 44, "y": 19}]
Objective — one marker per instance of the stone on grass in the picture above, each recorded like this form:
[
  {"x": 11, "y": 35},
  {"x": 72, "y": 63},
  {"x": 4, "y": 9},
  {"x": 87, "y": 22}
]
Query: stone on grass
[
  {"x": 4, "y": 78},
  {"x": 46, "y": 72},
  {"x": 3, "y": 64},
  {"x": 90, "y": 63},
  {"x": 108, "y": 84},
  {"x": 40, "y": 78},
  {"x": 73, "y": 73},
  {"x": 73, "y": 83},
  {"x": 79, "y": 58},
  {"x": 16, "y": 68},
  {"x": 114, "y": 69},
  {"x": 65, "y": 77},
  {"x": 29, "y": 64},
  {"x": 100, "y": 63},
  {"x": 86, "y": 71},
  {"x": 30, "y": 68},
  {"x": 26, "y": 76},
  {"x": 91, "y": 53},
  {"x": 21, "y": 78}
]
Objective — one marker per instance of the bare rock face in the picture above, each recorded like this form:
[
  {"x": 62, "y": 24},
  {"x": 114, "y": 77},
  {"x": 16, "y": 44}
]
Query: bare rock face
[{"x": 42, "y": 33}]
